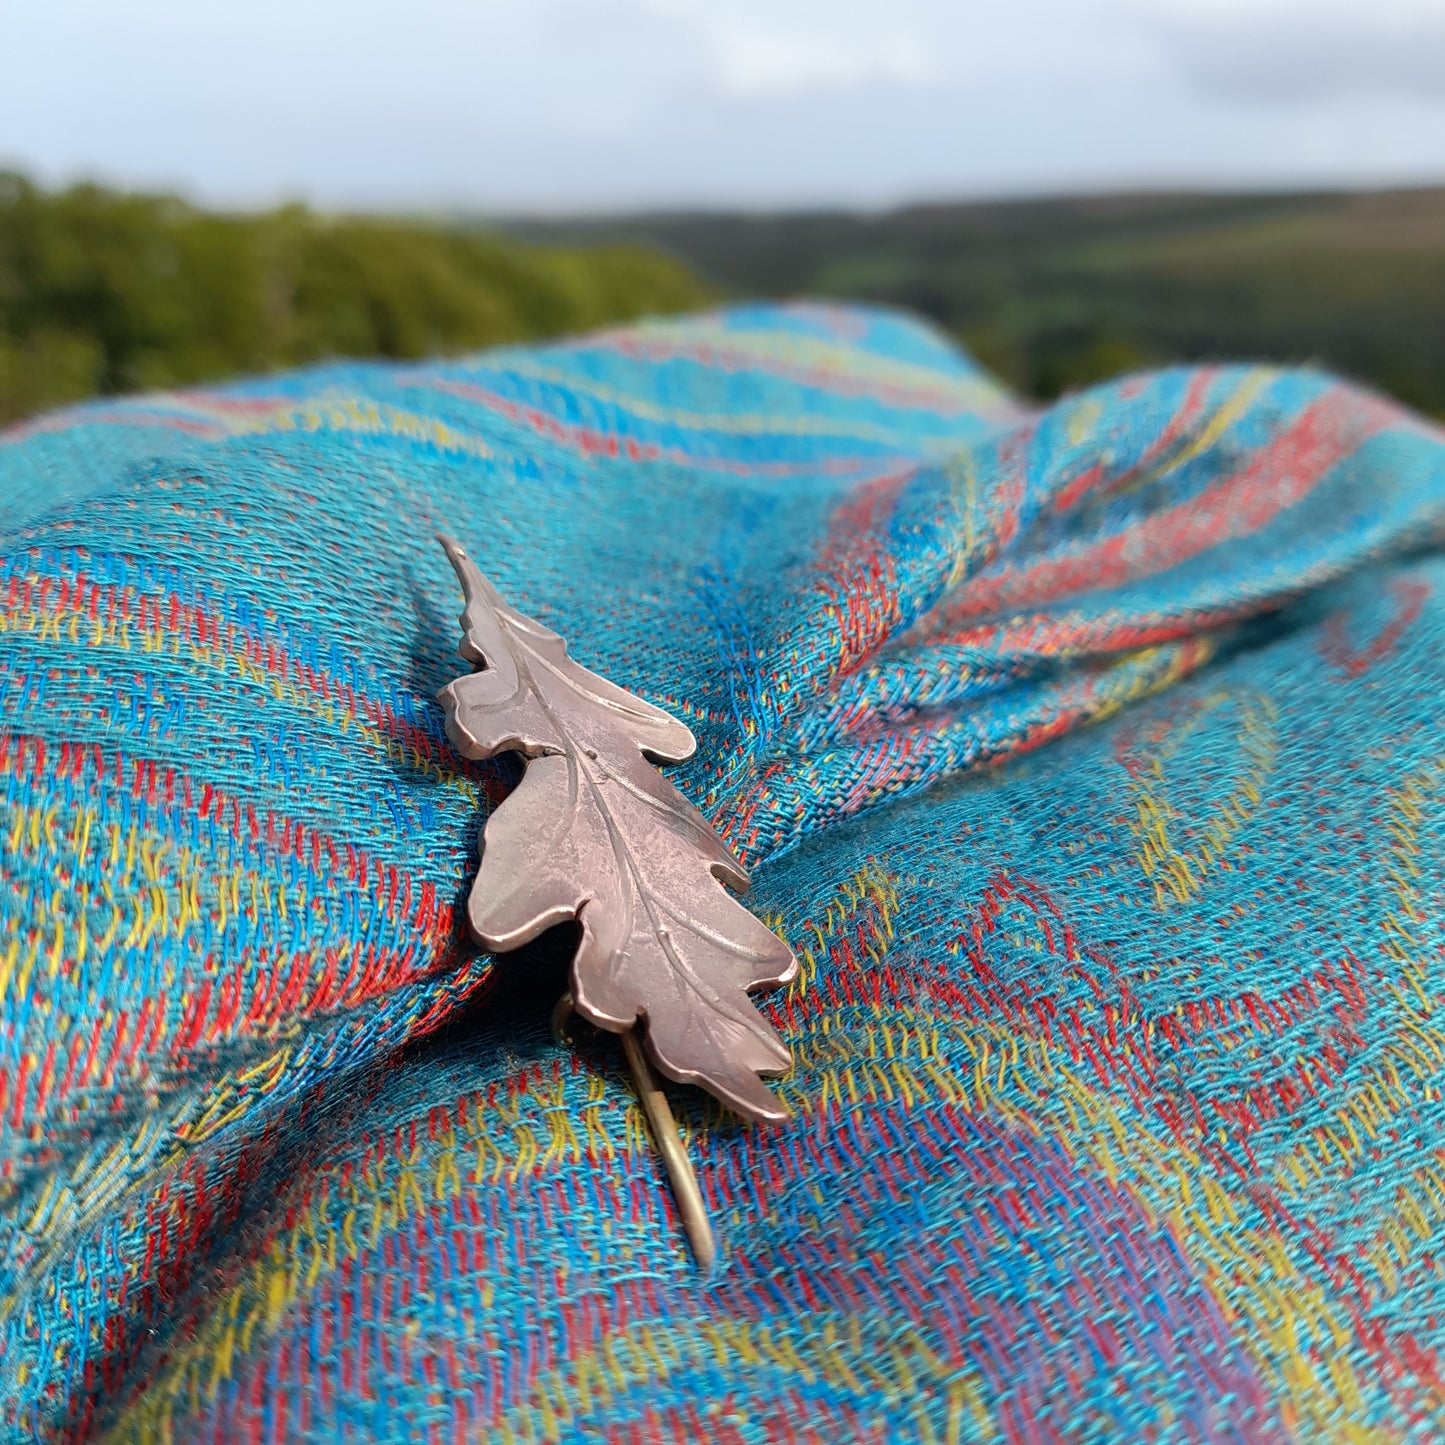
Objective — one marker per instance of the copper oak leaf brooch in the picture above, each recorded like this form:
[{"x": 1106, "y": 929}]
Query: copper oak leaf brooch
[{"x": 594, "y": 832}]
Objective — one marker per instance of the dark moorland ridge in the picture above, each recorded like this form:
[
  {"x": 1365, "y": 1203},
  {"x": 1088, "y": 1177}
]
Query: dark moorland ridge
[
  {"x": 102, "y": 291},
  {"x": 1058, "y": 293}
]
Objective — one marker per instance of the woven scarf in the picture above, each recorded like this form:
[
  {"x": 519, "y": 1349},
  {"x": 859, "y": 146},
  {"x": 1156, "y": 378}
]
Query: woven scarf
[{"x": 1090, "y": 759}]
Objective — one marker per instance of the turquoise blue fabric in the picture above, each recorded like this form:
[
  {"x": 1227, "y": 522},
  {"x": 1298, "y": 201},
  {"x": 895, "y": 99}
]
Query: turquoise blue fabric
[{"x": 1090, "y": 758}]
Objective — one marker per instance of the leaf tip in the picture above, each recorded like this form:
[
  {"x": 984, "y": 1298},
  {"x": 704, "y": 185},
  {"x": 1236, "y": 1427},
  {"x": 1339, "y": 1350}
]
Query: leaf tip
[
  {"x": 456, "y": 555},
  {"x": 749, "y": 1096}
]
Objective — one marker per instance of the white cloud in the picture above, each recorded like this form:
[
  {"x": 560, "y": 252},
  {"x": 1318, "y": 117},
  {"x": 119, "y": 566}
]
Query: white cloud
[
  {"x": 776, "y": 50},
  {"x": 1288, "y": 53},
  {"x": 757, "y": 61}
]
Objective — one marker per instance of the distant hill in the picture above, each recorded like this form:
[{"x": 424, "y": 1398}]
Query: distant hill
[
  {"x": 1058, "y": 293},
  {"x": 102, "y": 291}
]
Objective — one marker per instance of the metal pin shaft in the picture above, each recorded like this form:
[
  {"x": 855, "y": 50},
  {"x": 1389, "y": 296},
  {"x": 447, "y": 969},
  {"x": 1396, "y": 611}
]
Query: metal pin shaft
[
  {"x": 674, "y": 1156},
  {"x": 664, "y": 1131}
]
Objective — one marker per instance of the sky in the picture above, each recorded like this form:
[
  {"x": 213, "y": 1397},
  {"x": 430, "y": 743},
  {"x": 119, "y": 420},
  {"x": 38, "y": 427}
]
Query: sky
[{"x": 550, "y": 106}]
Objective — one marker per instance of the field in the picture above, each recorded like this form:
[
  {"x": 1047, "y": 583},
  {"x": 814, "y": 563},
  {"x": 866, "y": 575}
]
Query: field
[{"x": 1057, "y": 293}]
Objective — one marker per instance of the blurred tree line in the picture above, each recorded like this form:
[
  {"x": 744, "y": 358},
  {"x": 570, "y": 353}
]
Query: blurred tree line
[{"x": 103, "y": 291}]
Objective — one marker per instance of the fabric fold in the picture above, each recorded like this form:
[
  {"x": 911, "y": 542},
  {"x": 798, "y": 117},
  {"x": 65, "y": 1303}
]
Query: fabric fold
[{"x": 1095, "y": 1055}]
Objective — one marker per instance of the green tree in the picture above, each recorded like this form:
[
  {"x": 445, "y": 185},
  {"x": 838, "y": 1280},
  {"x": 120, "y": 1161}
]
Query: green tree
[{"x": 103, "y": 291}]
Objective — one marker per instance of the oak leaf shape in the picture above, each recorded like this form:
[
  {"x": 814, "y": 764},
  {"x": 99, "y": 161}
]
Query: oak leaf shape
[{"x": 594, "y": 832}]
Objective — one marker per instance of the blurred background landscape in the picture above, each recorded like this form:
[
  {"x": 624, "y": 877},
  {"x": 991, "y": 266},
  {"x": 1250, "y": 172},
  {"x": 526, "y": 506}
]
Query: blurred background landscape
[
  {"x": 103, "y": 291},
  {"x": 1071, "y": 188},
  {"x": 1054, "y": 294}
]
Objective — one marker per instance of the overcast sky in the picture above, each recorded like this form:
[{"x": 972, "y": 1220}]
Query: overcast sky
[{"x": 508, "y": 105}]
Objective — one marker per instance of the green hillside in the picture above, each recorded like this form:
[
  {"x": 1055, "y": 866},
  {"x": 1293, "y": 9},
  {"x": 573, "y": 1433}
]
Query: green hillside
[
  {"x": 1059, "y": 293},
  {"x": 102, "y": 291}
]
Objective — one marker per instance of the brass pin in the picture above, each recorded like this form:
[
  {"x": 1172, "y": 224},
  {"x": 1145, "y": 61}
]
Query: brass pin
[
  {"x": 674, "y": 1155},
  {"x": 680, "y": 1172}
]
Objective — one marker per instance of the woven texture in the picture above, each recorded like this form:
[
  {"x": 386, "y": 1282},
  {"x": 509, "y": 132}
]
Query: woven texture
[{"x": 1090, "y": 759}]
